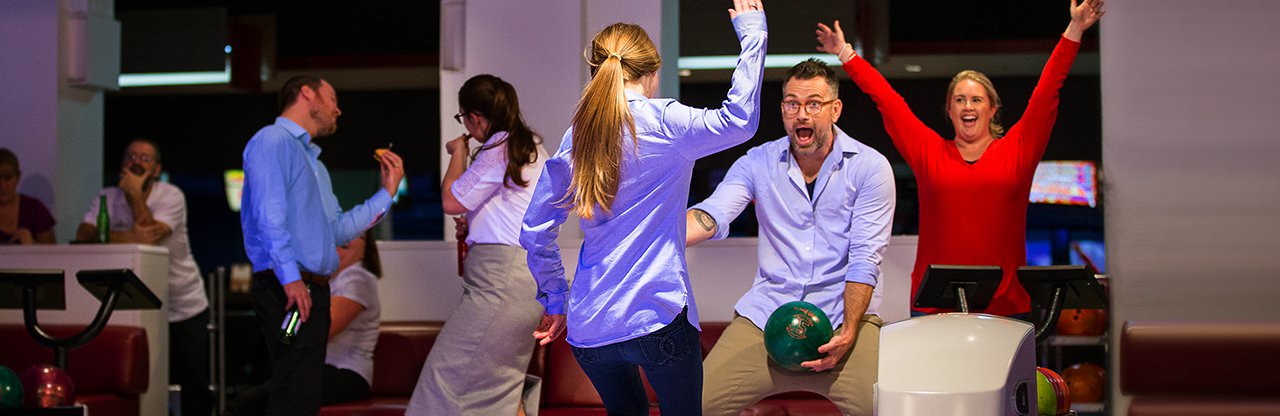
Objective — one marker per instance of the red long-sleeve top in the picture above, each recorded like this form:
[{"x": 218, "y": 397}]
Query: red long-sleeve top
[{"x": 973, "y": 214}]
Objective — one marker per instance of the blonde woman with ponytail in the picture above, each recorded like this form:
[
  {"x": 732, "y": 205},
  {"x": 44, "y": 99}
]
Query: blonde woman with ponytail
[{"x": 624, "y": 168}]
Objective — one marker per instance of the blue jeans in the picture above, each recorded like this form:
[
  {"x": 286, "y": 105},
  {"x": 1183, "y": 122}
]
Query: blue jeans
[{"x": 672, "y": 360}]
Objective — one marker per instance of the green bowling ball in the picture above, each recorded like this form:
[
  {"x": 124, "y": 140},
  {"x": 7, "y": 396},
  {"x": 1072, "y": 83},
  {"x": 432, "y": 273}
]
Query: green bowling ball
[
  {"x": 1046, "y": 396},
  {"x": 10, "y": 389},
  {"x": 794, "y": 332}
]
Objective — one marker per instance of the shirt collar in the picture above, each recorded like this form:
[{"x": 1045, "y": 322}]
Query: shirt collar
[{"x": 294, "y": 129}]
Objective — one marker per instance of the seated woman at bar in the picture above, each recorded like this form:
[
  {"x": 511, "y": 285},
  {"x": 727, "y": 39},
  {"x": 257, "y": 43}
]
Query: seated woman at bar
[{"x": 23, "y": 219}]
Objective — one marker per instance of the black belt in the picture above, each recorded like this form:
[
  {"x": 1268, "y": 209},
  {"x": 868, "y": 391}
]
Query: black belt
[{"x": 308, "y": 277}]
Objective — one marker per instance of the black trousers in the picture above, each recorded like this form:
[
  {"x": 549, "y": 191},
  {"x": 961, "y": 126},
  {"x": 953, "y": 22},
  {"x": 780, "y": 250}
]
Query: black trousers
[
  {"x": 189, "y": 363},
  {"x": 339, "y": 386},
  {"x": 297, "y": 369}
]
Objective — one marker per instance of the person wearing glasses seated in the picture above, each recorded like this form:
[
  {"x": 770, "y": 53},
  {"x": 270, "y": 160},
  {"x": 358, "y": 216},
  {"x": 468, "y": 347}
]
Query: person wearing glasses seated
[
  {"x": 825, "y": 205},
  {"x": 144, "y": 210}
]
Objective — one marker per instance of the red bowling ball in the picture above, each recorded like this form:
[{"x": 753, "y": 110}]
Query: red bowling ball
[
  {"x": 47, "y": 386},
  {"x": 1091, "y": 322}
]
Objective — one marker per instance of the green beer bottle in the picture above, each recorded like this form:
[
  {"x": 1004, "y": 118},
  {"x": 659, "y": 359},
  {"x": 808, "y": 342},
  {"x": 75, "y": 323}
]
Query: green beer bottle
[{"x": 104, "y": 220}]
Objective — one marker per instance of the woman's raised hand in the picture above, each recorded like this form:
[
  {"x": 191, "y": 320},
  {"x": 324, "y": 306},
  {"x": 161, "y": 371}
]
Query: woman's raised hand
[
  {"x": 829, "y": 40},
  {"x": 743, "y": 6},
  {"x": 1083, "y": 16}
]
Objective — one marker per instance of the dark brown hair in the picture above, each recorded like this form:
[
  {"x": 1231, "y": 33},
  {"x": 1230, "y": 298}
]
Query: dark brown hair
[
  {"x": 289, "y": 92},
  {"x": 371, "y": 262},
  {"x": 813, "y": 68},
  {"x": 8, "y": 157},
  {"x": 496, "y": 100}
]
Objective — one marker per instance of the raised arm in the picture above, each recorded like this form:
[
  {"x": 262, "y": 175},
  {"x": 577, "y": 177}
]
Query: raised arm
[
  {"x": 709, "y": 131},
  {"x": 360, "y": 218},
  {"x": 1036, "y": 125},
  {"x": 909, "y": 134},
  {"x": 1083, "y": 16},
  {"x": 457, "y": 149}
]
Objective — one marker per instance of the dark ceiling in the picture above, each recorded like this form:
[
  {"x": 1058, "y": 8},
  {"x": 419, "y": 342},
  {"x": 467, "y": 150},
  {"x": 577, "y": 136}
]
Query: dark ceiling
[{"x": 388, "y": 32}]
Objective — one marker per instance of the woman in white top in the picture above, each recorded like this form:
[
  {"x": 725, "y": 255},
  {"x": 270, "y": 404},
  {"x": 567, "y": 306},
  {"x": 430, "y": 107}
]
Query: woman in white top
[
  {"x": 477, "y": 365},
  {"x": 354, "y": 312}
]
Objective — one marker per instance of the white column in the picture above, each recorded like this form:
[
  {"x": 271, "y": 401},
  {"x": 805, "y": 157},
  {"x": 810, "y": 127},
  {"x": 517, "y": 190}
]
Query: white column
[
  {"x": 55, "y": 129},
  {"x": 1189, "y": 95},
  {"x": 537, "y": 47}
]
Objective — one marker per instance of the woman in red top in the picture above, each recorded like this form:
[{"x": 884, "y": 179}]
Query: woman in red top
[{"x": 973, "y": 189}]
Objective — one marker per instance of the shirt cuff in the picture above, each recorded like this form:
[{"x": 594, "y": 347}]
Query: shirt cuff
[
  {"x": 554, "y": 304},
  {"x": 288, "y": 273},
  {"x": 750, "y": 20},
  {"x": 861, "y": 275},
  {"x": 382, "y": 201},
  {"x": 722, "y": 223}
]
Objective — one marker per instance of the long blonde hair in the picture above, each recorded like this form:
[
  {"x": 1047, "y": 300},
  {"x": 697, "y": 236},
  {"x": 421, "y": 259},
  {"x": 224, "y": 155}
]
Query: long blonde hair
[{"x": 621, "y": 52}]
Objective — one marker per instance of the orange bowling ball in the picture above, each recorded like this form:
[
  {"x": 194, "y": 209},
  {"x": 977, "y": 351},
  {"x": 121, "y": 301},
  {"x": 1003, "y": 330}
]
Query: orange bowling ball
[
  {"x": 1087, "y": 382},
  {"x": 1091, "y": 322}
]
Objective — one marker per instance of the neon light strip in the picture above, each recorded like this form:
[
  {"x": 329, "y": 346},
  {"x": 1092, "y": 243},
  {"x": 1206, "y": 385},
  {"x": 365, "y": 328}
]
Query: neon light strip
[
  {"x": 731, "y": 61},
  {"x": 174, "y": 78}
]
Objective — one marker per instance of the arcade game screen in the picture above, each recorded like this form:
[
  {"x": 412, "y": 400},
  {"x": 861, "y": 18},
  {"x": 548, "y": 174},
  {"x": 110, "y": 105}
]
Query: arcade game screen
[{"x": 1065, "y": 182}]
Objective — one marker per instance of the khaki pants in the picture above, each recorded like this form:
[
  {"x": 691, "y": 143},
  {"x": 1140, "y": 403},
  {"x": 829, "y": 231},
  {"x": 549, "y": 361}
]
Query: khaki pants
[{"x": 738, "y": 372}]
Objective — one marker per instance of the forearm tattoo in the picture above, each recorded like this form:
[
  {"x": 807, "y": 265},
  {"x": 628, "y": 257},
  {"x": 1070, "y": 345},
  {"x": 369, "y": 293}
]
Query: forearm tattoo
[{"x": 704, "y": 219}]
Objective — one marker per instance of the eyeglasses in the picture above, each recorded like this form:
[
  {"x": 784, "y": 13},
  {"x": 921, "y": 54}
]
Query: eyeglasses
[
  {"x": 791, "y": 107},
  {"x": 458, "y": 117},
  {"x": 138, "y": 157}
]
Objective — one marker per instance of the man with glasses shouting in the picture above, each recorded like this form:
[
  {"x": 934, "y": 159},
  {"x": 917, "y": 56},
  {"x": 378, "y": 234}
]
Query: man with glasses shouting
[
  {"x": 825, "y": 204},
  {"x": 144, "y": 210}
]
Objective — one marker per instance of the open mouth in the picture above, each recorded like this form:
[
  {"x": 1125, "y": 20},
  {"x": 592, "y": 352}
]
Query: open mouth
[
  {"x": 804, "y": 136},
  {"x": 969, "y": 119}
]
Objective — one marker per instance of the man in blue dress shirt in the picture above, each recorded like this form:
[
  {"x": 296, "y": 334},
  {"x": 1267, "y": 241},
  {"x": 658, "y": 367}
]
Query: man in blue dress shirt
[
  {"x": 292, "y": 227},
  {"x": 825, "y": 205}
]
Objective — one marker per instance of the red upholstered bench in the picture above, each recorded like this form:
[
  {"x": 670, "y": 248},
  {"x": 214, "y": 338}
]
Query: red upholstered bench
[
  {"x": 109, "y": 372},
  {"x": 566, "y": 391},
  {"x": 1174, "y": 369},
  {"x": 402, "y": 349}
]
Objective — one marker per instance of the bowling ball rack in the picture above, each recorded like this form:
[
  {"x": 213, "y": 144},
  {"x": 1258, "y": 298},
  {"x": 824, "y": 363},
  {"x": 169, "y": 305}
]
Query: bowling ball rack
[{"x": 1054, "y": 288}]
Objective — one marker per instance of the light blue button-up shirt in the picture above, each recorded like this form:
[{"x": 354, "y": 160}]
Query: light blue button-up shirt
[
  {"x": 809, "y": 245},
  {"x": 289, "y": 214},
  {"x": 631, "y": 278}
]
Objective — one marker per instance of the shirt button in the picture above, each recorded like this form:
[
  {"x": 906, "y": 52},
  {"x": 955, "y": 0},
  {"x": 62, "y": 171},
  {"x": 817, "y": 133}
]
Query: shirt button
[{"x": 808, "y": 248}]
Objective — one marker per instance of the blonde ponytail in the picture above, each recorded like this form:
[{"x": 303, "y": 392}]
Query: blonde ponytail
[{"x": 619, "y": 53}]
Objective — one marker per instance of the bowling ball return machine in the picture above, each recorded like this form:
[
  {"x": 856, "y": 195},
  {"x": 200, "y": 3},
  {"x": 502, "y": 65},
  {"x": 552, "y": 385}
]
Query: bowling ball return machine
[{"x": 974, "y": 364}]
